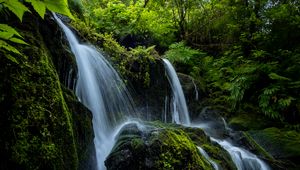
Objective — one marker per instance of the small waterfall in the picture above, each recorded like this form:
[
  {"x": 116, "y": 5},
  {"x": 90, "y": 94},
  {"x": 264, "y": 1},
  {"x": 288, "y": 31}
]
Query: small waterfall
[
  {"x": 213, "y": 163},
  {"x": 180, "y": 114},
  {"x": 99, "y": 88},
  {"x": 196, "y": 90},
  {"x": 242, "y": 158},
  {"x": 227, "y": 128}
]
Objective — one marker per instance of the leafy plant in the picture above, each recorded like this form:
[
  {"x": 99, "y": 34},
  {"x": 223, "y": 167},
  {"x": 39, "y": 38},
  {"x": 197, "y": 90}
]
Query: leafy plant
[
  {"x": 9, "y": 36},
  {"x": 180, "y": 53}
]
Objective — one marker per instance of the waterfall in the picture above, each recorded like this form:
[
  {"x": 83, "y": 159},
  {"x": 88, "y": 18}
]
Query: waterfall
[
  {"x": 213, "y": 163},
  {"x": 100, "y": 89},
  {"x": 196, "y": 90},
  {"x": 243, "y": 159},
  {"x": 180, "y": 114}
]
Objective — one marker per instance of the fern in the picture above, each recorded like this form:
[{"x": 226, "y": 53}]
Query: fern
[
  {"x": 272, "y": 103},
  {"x": 285, "y": 102},
  {"x": 15, "y": 7},
  {"x": 10, "y": 35},
  {"x": 178, "y": 52},
  {"x": 275, "y": 76},
  {"x": 39, "y": 7},
  {"x": 237, "y": 90}
]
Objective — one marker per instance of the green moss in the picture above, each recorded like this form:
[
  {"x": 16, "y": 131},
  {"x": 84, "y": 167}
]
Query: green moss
[
  {"x": 219, "y": 155},
  {"x": 137, "y": 143},
  {"x": 258, "y": 148},
  {"x": 177, "y": 150},
  {"x": 40, "y": 118},
  {"x": 38, "y": 124},
  {"x": 159, "y": 147},
  {"x": 282, "y": 144},
  {"x": 249, "y": 121}
]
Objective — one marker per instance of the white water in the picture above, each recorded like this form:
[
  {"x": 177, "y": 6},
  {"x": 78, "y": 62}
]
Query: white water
[
  {"x": 196, "y": 90},
  {"x": 243, "y": 159},
  {"x": 180, "y": 114},
  {"x": 101, "y": 90},
  {"x": 213, "y": 163},
  {"x": 225, "y": 125}
]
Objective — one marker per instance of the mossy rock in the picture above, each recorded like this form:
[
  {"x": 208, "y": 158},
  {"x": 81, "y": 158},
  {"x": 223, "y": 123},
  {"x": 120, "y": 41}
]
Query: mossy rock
[
  {"x": 39, "y": 126},
  {"x": 155, "y": 148},
  {"x": 282, "y": 144},
  {"x": 164, "y": 146}
]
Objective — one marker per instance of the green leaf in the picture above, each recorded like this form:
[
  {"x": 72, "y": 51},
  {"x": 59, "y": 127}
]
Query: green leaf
[
  {"x": 10, "y": 34},
  {"x": 39, "y": 7},
  {"x": 16, "y": 7},
  {"x": 17, "y": 40},
  {"x": 59, "y": 6},
  {"x": 8, "y": 47},
  {"x": 275, "y": 76},
  {"x": 6, "y": 35},
  {"x": 11, "y": 58},
  {"x": 285, "y": 102},
  {"x": 7, "y": 28}
]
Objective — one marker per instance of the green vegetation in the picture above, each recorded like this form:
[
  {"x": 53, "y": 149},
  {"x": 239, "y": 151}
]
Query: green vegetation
[
  {"x": 9, "y": 36},
  {"x": 244, "y": 53},
  {"x": 41, "y": 127}
]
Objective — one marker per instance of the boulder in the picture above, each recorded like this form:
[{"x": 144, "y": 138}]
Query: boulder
[{"x": 163, "y": 146}]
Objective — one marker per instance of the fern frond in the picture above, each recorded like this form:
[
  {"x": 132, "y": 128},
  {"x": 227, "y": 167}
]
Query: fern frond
[
  {"x": 275, "y": 76},
  {"x": 285, "y": 102}
]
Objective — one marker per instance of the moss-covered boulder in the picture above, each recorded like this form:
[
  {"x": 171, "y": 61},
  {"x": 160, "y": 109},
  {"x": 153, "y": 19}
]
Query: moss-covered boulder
[
  {"x": 164, "y": 146},
  {"x": 282, "y": 144},
  {"x": 42, "y": 127}
]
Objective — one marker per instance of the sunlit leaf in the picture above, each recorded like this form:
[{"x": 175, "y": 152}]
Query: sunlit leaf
[
  {"x": 16, "y": 7},
  {"x": 39, "y": 7}
]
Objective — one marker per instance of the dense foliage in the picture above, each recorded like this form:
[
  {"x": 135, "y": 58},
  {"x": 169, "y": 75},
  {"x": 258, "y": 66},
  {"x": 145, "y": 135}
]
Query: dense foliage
[{"x": 245, "y": 53}]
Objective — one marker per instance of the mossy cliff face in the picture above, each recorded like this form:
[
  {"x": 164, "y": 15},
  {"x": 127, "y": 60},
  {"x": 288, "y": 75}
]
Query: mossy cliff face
[
  {"x": 162, "y": 146},
  {"x": 39, "y": 126}
]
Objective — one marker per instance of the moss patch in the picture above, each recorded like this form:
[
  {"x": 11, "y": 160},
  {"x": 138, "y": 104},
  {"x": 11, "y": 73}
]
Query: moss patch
[
  {"x": 249, "y": 121},
  {"x": 37, "y": 124},
  {"x": 280, "y": 143},
  {"x": 156, "y": 148}
]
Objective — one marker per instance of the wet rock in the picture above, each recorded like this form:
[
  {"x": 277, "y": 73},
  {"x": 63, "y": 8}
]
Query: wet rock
[{"x": 163, "y": 146}]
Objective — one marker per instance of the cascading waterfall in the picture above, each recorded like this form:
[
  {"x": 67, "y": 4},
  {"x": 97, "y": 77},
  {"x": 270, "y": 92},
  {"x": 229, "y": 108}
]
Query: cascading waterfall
[
  {"x": 243, "y": 159},
  {"x": 213, "y": 163},
  {"x": 180, "y": 114},
  {"x": 99, "y": 88}
]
